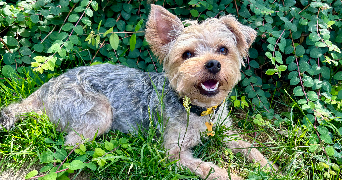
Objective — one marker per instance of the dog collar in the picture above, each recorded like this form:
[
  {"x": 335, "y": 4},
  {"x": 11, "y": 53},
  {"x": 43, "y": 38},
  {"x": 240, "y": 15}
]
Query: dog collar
[{"x": 201, "y": 111}]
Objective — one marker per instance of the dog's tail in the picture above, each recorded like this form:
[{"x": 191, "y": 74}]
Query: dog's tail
[{"x": 10, "y": 114}]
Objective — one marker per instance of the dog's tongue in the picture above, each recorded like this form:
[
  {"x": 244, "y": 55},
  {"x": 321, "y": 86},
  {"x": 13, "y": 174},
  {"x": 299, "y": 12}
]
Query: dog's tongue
[{"x": 209, "y": 85}]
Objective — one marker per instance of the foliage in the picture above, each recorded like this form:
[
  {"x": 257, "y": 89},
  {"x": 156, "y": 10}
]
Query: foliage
[{"x": 292, "y": 79}]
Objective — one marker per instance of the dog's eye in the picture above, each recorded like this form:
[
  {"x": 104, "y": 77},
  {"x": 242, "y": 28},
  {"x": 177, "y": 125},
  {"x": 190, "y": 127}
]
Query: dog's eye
[
  {"x": 187, "y": 55},
  {"x": 223, "y": 50}
]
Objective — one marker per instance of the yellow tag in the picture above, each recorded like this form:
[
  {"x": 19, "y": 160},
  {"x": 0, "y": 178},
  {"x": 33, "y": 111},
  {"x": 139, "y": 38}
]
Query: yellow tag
[{"x": 210, "y": 128}]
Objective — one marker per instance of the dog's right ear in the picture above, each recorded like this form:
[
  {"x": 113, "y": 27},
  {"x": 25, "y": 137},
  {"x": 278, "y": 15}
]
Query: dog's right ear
[{"x": 162, "y": 28}]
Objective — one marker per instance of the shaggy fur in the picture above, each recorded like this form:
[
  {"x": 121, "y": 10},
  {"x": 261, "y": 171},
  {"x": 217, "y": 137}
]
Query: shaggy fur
[{"x": 201, "y": 61}]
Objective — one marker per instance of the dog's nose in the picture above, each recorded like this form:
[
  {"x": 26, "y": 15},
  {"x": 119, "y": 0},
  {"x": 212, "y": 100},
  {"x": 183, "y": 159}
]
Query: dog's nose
[{"x": 213, "y": 66}]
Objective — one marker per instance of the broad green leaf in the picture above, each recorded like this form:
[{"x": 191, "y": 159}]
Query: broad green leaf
[
  {"x": 86, "y": 21},
  {"x": 78, "y": 29},
  {"x": 308, "y": 82},
  {"x": 316, "y": 53},
  {"x": 330, "y": 150},
  {"x": 254, "y": 64},
  {"x": 338, "y": 76},
  {"x": 89, "y": 12},
  {"x": 110, "y": 22},
  {"x": 8, "y": 71},
  {"x": 84, "y": 2},
  {"x": 312, "y": 95},
  {"x": 25, "y": 51},
  {"x": 11, "y": 41},
  {"x": 98, "y": 152},
  {"x": 297, "y": 91},
  {"x": 31, "y": 174},
  {"x": 127, "y": 7},
  {"x": 9, "y": 58},
  {"x": 34, "y": 18},
  {"x": 91, "y": 166},
  {"x": 313, "y": 148},
  {"x": 194, "y": 12},
  {"x": 74, "y": 39},
  {"x": 76, "y": 164},
  {"x": 294, "y": 81},
  {"x": 300, "y": 50},
  {"x": 271, "y": 71},
  {"x": 38, "y": 47},
  {"x": 73, "y": 18},
  {"x": 46, "y": 168},
  {"x": 114, "y": 41}
]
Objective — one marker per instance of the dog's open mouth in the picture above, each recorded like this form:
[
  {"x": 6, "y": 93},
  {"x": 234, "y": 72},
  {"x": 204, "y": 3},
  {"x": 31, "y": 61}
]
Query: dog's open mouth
[{"x": 209, "y": 87}]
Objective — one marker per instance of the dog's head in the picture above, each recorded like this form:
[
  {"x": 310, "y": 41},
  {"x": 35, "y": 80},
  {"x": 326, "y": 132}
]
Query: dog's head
[{"x": 202, "y": 60}]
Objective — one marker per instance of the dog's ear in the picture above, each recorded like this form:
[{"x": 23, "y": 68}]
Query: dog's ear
[
  {"x": 162, "y": 28},
  {"x": 245, "y": 35}
]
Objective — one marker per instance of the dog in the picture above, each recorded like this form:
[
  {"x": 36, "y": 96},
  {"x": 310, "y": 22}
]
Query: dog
[{"x": 201, "y": 61}]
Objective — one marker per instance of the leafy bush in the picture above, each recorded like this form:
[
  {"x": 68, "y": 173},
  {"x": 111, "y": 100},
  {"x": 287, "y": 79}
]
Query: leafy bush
[{"x": 291, "y": 81}]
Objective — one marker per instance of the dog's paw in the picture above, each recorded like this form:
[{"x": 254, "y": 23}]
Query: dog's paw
[{"x": 216, "y": 173}]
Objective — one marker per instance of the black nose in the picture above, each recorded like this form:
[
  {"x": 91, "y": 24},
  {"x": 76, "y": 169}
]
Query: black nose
[{"x": 213, "y": 66}]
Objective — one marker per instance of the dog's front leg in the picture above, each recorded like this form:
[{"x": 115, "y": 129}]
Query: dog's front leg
[
  {"x": 179, "y": 145},
  {"x": 252, "y": 154}
]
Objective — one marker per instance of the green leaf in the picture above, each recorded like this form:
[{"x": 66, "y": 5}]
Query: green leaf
[
  {"x": 76, "y": 164},
  {"x": 46, "y": 168},
  {"x": 73, "y": 18},
  {"x": 340, "y": 97},
  {"x": 330, "y": 150},
  {"x": 38, "y": 47},
  {"x": 313, "y": 148},
  {"x": 338, "y": 76},
  {"x": 9, "y": 58},
  {"x": 78, "y": 29},
  {"x": 8, "y": 71},
  {"x": 110, "y": 22},
  {"x": 98, "y": 152},
  {"x": 194, "y": 12},
  {"x": 316, "y": 53},
  {"x": 95, "y": 5},
  {"x": 132, "y": 42},
  {"x": 91, "y": 166},
  {"x": 86, "y": 21},
  {"x": 300, "y": 50},
  {"x": 127, "y": 7},
  {"x": 282, "y": 68},
  {"x": 31, "y": 174},
  {"x": 271, "y": 71},
  {"x": 253, "y": 53},
  {"x": 254, "y": 64},
  {"x": 109, "y": 146},
  {"x": 294, "y": 81},
  {"x": 84, "y": 2},
  {"x": 89, "y": 12},
  {"x": 25, "y": 51},
  {"x": 325, "y": 72},
  {"x": 74, "y": 39},
  {"x": 297, "y": 91},
  {"x": 11, "y": 41},
  {"x": 46, "y": 157},
  {"x": 114, "y": 41},
  {"x": 289, "y": 49},
  {"x": 308, "y": 81},
  {"x": 312, "y": 96},
  {"x": 34, "y": 18}
]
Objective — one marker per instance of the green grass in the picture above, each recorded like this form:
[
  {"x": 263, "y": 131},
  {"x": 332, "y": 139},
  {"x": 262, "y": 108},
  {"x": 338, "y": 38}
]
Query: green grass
[{"x": 35, "y": 141}]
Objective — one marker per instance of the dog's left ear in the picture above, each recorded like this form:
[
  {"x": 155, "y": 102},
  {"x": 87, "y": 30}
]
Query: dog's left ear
[
  {"x": 162, "y": 28},
  {"x": 245, "y": 35}
]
